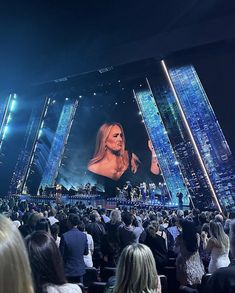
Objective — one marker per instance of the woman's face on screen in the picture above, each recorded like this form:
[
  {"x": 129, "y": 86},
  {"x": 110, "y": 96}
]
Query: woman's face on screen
[{"x": 114, "y": 141}]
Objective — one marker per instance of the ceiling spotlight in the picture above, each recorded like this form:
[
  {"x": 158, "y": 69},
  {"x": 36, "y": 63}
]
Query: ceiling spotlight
[
  {"x": 80, "y": 97},
  {"x": 116, "y": 103},
  {"x": 66, "y": 99},
  {"x": 94, "y": 94}
]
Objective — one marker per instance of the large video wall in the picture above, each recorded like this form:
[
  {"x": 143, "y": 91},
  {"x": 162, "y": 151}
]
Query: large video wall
[{"x": 151, "y": 128}]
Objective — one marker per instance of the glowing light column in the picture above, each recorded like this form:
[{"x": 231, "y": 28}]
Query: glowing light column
[
  {"x": 206, "y": 135},
  {"x": 6, "y": 117},
  {"x": 58, "y": 144},
  {"x": 161, "y": 144}
]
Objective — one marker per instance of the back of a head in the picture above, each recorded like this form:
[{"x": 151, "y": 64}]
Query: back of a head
[
  {"x": 152, "y": 228},
  {"x": 127, "y": 218},
  {"x": 115, "y": 216},
  {"x": 136, "y": 270},
  {"x": 189, "y": 235},
  {"x": 45, "y": 260},
  {"x": 15, "y": 273},
  {"x": 73, "y": 219},
  {"x": 43, "y": 225}
]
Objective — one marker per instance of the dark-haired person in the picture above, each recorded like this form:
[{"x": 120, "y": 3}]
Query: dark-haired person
[
  {"x": 189, "y": 267},
  {"x": 128, "y": 234},
  {"x": 97, "y": 231},
  {"x": 55, "y": 229},
  {"x": 87, "y": 258},
  {"x": 47, "y": 265},
  {"x": 156, "y": 241},
  {"x": 43, "y": 225},
  {"x": 73, "y": 245}
]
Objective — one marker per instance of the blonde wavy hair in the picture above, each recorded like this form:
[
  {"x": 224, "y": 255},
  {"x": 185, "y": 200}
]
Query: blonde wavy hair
[
  {"x": 15, "y": 272},
  {"x": 217, "y": 232},
  {"x": 100, "y": 147},
  {"x": 136, "y": 271}
]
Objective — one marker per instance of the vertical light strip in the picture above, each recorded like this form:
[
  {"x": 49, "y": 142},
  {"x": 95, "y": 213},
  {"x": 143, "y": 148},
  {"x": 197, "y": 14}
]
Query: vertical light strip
[
  {"x": 35, "y": 143},
  {"x": 58, "y": 144},
  {"x": 190, "y": 198},
  {"x": 7, "y": 117},
  {"x": 161, "y": 144},
  {"x": 191, "y": 135}
]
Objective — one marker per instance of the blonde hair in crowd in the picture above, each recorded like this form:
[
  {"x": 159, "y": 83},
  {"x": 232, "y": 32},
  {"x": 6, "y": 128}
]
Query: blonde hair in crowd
[
  {"x": 15, "y": 272},
  {"x": 136, "y": 271},
  {"x": 217, "y": 232}
]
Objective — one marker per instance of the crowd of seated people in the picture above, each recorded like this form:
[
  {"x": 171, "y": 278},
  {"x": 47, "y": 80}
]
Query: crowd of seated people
[{"x": 62, "y": 242}]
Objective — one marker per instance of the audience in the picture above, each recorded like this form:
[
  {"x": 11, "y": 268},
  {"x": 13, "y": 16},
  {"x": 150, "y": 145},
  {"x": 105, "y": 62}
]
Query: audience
[
  {"x": 87, "y": 236},
  {"x": 15, "y": 272}
]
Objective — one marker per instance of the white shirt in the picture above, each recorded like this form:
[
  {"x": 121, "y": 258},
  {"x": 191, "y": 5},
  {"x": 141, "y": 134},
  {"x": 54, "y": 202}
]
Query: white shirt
[{"x": 88, "y": 258}]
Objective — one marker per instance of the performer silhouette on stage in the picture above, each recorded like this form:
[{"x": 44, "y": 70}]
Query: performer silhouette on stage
[{"x": 180, "y": 199}]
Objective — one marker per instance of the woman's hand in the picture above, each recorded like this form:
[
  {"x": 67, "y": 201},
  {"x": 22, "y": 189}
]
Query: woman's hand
[
  {"x": 134, "y": 163},
  {"x": 154, "y": 163}
]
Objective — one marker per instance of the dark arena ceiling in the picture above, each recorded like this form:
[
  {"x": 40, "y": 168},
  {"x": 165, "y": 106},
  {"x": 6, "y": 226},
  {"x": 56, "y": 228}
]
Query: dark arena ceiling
[{"x": 45, "y": 40}]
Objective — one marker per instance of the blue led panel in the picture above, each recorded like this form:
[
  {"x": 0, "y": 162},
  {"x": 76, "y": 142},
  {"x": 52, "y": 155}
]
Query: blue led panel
[
  {"x": 206, "y": 131},
  {"x": 162, "y": 146},
  {"x": 59, "y": 141},
  {"x": 180, "y": 141}
]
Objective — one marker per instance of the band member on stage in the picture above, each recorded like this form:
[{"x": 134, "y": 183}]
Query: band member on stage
[
  {"x": 143, "y": 190},
  {"x": 128, "y": 187},
  {"x": 58, "y": 194},
  {"x": 88, "y": 188},
  {"x": 111, "y": 159},
  {"x": 41, "y": 190},
  {"x": 180, "y": 199}
]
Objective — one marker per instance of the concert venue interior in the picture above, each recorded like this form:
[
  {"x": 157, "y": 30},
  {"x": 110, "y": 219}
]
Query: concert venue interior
[
  {"x": 117, "y": 122},
  {"x": 181, "y": 101}
]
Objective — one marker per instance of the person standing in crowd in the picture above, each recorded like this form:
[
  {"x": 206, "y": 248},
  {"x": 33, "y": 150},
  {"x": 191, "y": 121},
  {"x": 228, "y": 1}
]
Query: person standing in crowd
[
  {"x": 217, "y": 245},
  {"x": 222, "y": 280},
  {"x": 47, "y": 265},
  {"x": 128, "y": 234},
  {"x": 55, "y": 229},
  {"x": 97, "y": 231},
  {"x": 87, "y": 258},
  {"x": 112, "y": 246},
  {"x": 73, "y": 245},
  {"x": 156, "y": 241},
  {"x": 189, "y": 267},
  {"x": 15, "y": 272}
]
